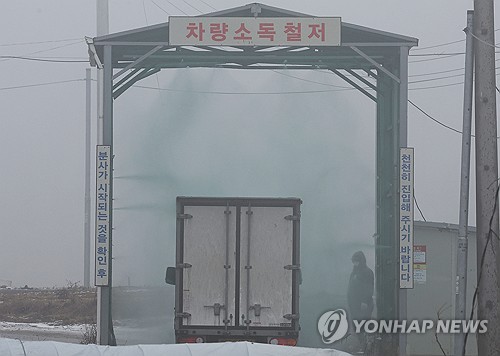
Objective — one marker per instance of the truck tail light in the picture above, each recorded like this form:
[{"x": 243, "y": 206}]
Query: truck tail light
[
  {"x": 282, "y": 341},
  {"x": 190, "y": 340}
]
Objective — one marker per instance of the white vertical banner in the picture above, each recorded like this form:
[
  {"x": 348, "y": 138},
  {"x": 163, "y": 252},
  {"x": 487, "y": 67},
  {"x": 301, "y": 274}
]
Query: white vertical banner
[
  {"x": 102, "y": 219},
  {"x": 406, "y": 206}
]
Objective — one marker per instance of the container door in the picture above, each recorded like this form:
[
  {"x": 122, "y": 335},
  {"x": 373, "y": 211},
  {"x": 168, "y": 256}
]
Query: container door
[
  {"x": 209, "y": 262},
  {"x": 266, "y": 272}
]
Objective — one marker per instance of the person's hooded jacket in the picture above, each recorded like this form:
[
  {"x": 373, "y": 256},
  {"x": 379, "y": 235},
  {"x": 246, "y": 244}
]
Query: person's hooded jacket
[{"x": 360, "y": 290}]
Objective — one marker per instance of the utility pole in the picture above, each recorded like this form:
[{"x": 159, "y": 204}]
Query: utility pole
[
  {"x": 102, "y": 29},
  {"x": 488, "y": 252},
  {"x": 105, "y": 333},
  {"x": 87, "y": 233},
  {"x": 462, "y": 247}
]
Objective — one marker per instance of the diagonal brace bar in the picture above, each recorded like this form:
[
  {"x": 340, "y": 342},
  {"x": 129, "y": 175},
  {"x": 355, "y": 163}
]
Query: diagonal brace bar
[
  {"x": 144, "y": 74},
  {"x": 371, "y": 74},
  {"x": 137, "y": 61},
  {"x": 131, "y": 74},
  {"x": 354, "y": 84},
  {"x": 360, "y": 78},
  {"x": 375, "y": 63},
  {"x": 129, "y": 80}
]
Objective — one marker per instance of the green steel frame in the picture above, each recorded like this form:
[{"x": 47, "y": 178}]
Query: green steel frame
[{"x": 130, "y": 56}]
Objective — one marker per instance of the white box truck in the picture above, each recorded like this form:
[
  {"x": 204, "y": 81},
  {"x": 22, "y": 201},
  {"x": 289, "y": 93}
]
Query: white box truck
[{"x": 237, "y": 270}]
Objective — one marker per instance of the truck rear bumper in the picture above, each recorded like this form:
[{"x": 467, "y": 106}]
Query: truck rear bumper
[{"x": 288, "y": 340}]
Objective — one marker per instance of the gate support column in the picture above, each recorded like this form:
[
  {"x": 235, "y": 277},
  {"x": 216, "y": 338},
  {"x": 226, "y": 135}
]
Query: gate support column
[
  {"x": 387, "y": 200},
  {"x": 104, "y": 321}
]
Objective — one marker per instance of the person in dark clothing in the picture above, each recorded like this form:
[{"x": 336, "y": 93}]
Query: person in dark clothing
[{"x": 360, "y": 292}]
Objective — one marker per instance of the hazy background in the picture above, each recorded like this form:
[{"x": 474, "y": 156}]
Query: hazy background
[{"x": 319, "y": 147}]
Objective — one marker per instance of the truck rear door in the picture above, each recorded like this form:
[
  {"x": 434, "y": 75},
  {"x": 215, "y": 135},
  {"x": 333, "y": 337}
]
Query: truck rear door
[
  {"x": 209, "y": 259},
  {"x": 266, "y": 266}
]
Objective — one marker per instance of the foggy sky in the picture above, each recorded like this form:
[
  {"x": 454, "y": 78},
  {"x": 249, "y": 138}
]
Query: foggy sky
[{"x": 318, "y": 147}]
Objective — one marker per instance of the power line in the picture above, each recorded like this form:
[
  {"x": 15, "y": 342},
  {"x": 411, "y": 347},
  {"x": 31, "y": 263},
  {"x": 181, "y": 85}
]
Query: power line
[
  {"x": 366, "y": 88},
  {"x": 43, "y": 60},
  {"x": 438, "y": 45},
  {"x": 434, "y": 59},
  {"x": 442, "y": 44},
  {"x": 276, "y": 93},
  {"x": 60, "y": 57},
  {"x": 239, "y": 93},
  {"x": 437, "y": 86},
  {"x": 145, "y": 15},
  {"x": 416, "y": 204},
  {"x": 411, "y": 75},
  {"x": 439, "y": 122},
  {"x": 411, "y": 82},
  {"x": 161, "y": 8},
  {"x": 42, "y": 84},
  {"x": 482, "y": 41},
  {"x": 446, "y": 55},
  {"x": 445, "y": 71},
  {"x": 341, "y": 88},
  {"x": 210, "y": 6},
  {"x": 433, "y": 119},
  {"x": 48, "y": 50},
  {"x": 147, "y": 23},
  {"x": 236, "y": 93},
  {"x": 438, "y": 72},
  {"x": 37, "y": 42},
  {"x": 452, "y": 54},
  {"x": 53, "y": 48},
  {"x": 178, "y": 8},
  {"x": 438, "y": 78},
  {"x": 310, "y": 81},
  {"x": 436, "y": 54},
  {"x": 184, "y": 1}
]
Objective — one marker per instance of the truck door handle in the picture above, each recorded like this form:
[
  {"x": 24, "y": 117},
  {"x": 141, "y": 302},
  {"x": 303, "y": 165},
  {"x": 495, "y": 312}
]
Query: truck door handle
[
  {"x": 217, "y": 307},
  {"x": 257, "y": 309}
]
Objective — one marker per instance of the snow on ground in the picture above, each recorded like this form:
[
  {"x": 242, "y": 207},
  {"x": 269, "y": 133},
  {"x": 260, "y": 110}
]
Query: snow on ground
[
  {"x": 42, "y": 332},
  {"x": 15, "y": 347},
  {"x": 4, "y": 325},
  {"x": 127, "y": 332}
]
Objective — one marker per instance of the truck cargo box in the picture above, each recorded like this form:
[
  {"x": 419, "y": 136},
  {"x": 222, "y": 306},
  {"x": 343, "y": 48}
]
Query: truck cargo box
[{"x": 237, "y": 270}]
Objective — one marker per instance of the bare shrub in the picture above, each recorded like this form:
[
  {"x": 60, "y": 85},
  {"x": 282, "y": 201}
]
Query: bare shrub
[{"x": 89, "y": 335}]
